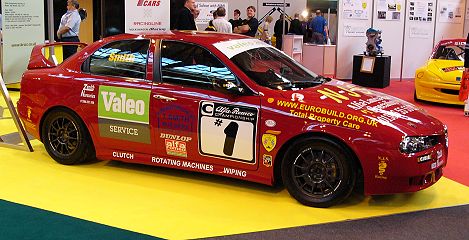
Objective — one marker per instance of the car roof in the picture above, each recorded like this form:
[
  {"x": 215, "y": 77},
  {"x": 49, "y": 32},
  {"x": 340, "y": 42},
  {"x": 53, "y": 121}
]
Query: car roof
[{"x": 199, "y": 37}]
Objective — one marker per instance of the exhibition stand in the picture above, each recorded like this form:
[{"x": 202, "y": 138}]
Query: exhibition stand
[
  {"x": 371, "y": 71},
  {"x": 293, "y": 46},
  {"x": 320, "y": 59}
]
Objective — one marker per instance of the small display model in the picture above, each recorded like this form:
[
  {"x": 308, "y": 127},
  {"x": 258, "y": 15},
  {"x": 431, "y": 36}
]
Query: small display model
[{"x": 373, "y": 45}]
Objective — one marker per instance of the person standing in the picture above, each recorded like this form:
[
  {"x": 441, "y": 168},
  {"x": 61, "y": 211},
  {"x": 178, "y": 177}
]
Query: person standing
[
  {"x": 266, "y": 33},
  {"x": 220, "y": 23},
  {"x": 319, "y": 27},
  {"x": 237, "y": 19},
  {"x": 280, "y": 26},
  {"x": 69, "y": 28},
  {"x": 185, "y": 19},
  {"x": 295, "y": 25},
  {"x": 249, "y": 25}
]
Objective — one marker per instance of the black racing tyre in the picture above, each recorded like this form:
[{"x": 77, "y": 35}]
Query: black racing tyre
[
  {"x": 66, "y": 139},
  {"x": 318, "y": 172}
]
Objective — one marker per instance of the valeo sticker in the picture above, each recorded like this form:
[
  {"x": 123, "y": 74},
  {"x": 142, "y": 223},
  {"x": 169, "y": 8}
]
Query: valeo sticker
[{"x": 126, "y": 104}]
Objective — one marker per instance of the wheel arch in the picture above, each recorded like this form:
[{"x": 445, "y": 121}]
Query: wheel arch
[
  {"x": 284, "y": 149},
  {"x": 59, "y": 107}
]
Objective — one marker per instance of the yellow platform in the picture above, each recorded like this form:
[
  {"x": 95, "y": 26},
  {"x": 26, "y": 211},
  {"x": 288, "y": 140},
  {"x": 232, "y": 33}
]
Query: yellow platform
[{"x": 179, "y": 205}]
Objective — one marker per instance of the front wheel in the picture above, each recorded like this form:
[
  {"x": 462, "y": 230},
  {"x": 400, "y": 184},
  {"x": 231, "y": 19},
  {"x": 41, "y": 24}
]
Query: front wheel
[
  {"x": 318, "y": 172},
  {"x": 65, "y": 138}
]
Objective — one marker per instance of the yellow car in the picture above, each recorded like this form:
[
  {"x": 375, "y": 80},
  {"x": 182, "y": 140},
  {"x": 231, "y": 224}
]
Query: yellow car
[{"x": 440, "y": 79}]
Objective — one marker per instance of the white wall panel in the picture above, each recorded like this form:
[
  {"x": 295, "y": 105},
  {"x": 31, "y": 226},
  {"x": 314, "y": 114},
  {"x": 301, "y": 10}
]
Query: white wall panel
[
  {"x": 453, "y": 28},
  {"x": 392, "y": 35},
  {"x": 418, "y": 39},
  {"x": 347, "y": 45}
]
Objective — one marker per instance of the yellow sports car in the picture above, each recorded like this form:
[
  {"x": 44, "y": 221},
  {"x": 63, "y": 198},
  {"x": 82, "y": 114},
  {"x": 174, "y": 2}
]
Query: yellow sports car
[{"x": 440, "y": 79}]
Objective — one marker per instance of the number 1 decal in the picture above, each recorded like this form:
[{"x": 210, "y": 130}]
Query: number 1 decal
[
  {"x": 230, "y": 131},
  {"x": 227, "y": 131}
]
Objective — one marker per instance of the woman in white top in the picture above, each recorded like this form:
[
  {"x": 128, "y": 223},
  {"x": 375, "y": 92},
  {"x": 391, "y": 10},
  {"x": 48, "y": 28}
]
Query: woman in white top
[{"x": 265, "y": 33}]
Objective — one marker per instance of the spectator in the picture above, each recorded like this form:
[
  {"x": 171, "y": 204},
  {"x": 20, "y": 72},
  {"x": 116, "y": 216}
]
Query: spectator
[
  {"x": 266, "y": 37},
  {"x": 319, "y": 28},
  {"x": 220, "y": 23},
  {"x": 210, "y": 26},
  {"x": 280, "y": 25},
  {"x": 185, "y": 20},
  {"x": 295, "y": 25},
  {"x": 237, "y": 20},
  {"x": 69, "y": 28},
  {"x": 248, "y": 26}
]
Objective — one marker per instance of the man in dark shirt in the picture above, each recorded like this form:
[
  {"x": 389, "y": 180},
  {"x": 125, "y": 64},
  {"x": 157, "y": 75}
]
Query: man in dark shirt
[
  {"x": 280, "y": 26},
  {"x": 295, "y": 25},
  {"x": 249, "y": 25},
  {"x": 237, "y": 20},
  {"x": 185, "y": 20}
]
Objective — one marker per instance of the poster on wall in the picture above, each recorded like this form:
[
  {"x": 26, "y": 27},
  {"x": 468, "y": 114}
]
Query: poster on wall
[
  {"x": 20, "y": 18},
  {"x": 355, "y": 30},
  {"x": 146, "y": 15},
  {"x": 450, "y": 12},
  {"x": 389, "y": 10},
  {"x": 421, "y": 11},
  {"x": 207, "y": 9},
  {"x": 420, "y": 32},
  {"x": 355, "y": 9}
]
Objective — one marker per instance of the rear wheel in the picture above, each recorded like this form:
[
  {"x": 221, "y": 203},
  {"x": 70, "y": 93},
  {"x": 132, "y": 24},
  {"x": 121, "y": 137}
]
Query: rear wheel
[
  {"x": 318, "y": 172},
  {"x": 65, "y": 138}
]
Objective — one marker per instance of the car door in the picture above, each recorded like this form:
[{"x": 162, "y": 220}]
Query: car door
[
  {"x": 123, "y": 96},
  {"x": 195, "y": 123}
]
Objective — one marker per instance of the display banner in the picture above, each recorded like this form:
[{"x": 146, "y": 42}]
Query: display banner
[
  {"x": 23, "y": 27},
  {"x": 206, "y": 11},
  {"x": 146, "y": 15}
]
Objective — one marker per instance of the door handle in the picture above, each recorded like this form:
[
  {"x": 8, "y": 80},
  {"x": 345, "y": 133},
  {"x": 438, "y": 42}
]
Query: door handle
[{"x": 161, "y": 97}]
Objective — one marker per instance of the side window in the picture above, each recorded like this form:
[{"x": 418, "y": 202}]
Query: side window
[
  {"x": 191, "y": 65},
  {"x": 126, "y": 58}
]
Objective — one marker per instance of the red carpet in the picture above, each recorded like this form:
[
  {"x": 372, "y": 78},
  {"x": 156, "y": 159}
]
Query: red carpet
[{"x": 458, "y": 128}]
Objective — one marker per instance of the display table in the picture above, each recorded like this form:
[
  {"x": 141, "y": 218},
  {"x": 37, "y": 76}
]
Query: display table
[
  {"x": 320, "y": 59},
  {"x": 292, "y": 45},
  {"x": 371, "y": 71}
]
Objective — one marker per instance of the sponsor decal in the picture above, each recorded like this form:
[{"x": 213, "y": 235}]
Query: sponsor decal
[
  {"x": 123, "y": 155},
  {"x": 29, "y": 125},
  {"x": 439, "y": 161},
  {"x": 185, "y": 164},
  {"x": 123, "y": 113},
  {"x": 175, "y": 118},
  {"x": 234, "y": 172},
  {"x": 267, "y": 160},
  {"x": 29, "y": 113},
  {"x": 175, "y": 148},
  {"x": 297, "y": 97},
  {"x": 114, "y": 57},
  {"x": 175, "y": 137},
  {"x": 227, "y": 131},
  {"x": 382, "y": 165},
  {"x": 269, "y": 141},
  {"x": 270, "y": 100},
  {"x": 451, "y": 69},
  {"x": 232, "y": 48},
  {"x": 87, "y": 92},
  {"x": 326, "y": 115},
  {"x": 148, "y": 3},
  {"x": 270, "y": 123}
]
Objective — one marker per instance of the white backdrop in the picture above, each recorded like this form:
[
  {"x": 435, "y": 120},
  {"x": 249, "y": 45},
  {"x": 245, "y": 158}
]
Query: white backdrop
[
  {"x": 20, "y": 18},
  {"x": 139, "y": 18}
]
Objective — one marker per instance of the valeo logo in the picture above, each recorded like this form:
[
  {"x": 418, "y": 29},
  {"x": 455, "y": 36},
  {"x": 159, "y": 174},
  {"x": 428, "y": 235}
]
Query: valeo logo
[{"x": 126, "y": 104}]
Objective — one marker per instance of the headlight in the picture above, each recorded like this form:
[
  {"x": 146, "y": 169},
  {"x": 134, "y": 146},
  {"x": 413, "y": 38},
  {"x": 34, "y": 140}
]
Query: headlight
[{"x": 417, "y": 144}]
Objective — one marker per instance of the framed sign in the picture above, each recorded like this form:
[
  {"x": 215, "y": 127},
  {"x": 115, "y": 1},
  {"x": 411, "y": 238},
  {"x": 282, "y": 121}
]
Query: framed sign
[{"x": 368, "y": 64}]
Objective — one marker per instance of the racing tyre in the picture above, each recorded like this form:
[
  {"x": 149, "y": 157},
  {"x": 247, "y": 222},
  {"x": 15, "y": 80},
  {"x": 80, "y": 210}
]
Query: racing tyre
[
  {"x": 318, "y": 172},
  {"x": 65, "y": 138}
]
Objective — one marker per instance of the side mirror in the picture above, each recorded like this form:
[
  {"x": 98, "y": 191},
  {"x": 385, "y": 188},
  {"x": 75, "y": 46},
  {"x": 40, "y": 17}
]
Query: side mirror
[{"x": 226, "y": 86}]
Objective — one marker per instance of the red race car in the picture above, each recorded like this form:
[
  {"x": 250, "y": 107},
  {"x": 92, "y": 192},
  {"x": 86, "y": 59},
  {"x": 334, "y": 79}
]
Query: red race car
[{"x": 233, "y": 106}]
